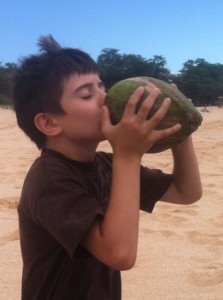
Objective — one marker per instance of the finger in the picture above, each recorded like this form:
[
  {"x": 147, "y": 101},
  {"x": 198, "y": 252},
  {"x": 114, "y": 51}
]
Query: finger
[
  {"x": 132, "y": 102},
  {"x": 160, "y": 114},
  {"x": 174, "y": 86},
  {"x": 148, "y": 103},
  {"x": 161, "y": 134}
]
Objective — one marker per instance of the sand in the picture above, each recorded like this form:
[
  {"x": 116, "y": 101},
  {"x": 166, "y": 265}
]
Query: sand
[{"x": 180, "y": 253}]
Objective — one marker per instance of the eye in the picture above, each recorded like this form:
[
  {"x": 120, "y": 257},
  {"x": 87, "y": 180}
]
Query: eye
[{"x": 87, "y": 97}]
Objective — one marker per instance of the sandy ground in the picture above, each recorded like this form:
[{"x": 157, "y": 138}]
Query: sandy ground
[{"x": 180, "y": 252}]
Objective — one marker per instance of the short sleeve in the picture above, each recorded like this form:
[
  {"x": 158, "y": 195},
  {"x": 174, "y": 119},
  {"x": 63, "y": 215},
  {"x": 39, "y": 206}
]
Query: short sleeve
[
  {"x": 154, "y": 184},
  {"x": 67, "y": 211}
]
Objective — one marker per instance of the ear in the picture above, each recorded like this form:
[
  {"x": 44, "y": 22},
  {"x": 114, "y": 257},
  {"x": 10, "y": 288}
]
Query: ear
[{"x": 47, "y": 124}]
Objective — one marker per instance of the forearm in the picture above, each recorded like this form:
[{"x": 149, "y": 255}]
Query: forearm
[
  {"x": 117, "y": 232},
  {"x": 186, "y": 172},
  {"x": 122, "y": 216}
]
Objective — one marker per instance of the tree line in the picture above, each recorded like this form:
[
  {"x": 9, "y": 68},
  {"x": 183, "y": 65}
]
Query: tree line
[{"x": 199, "y": 80}]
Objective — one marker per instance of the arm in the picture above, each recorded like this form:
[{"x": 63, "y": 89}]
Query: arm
[
  {"x": 113, "y": 240},
  {"x": 186, "y": 187}
]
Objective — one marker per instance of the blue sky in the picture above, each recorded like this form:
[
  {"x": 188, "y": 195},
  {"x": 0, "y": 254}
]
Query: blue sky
[{"x": 177, "y": 29}]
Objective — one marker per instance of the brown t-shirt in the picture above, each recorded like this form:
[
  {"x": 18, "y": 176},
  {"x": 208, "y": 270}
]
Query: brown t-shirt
[{"x": 60, "y": 200}]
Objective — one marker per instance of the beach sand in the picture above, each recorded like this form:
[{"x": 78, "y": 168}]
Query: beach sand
[{"x": 180, "y": 252}]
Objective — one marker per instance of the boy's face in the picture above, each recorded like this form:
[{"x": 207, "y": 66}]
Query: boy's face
[{"x": 82, "y": 100}]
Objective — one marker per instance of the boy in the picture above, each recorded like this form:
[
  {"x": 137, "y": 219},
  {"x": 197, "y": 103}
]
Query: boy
[{"x": 79, "y": 209}]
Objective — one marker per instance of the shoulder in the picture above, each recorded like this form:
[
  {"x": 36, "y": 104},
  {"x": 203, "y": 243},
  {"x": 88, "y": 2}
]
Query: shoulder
[
  {"x": 47, "y": 170},
  {"x": 50, "y": 166}
]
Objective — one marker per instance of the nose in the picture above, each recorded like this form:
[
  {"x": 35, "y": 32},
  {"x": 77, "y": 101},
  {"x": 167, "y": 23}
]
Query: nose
[{"x": 102, "y": 95}]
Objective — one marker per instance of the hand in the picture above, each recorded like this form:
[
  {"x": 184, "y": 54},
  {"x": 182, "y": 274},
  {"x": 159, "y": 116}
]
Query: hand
[
  {"x": 134, "y": 134},
  {"x": 174, "y": 85}
]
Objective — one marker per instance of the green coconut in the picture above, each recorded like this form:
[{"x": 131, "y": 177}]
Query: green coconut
[{"x": 180, "y": 111}]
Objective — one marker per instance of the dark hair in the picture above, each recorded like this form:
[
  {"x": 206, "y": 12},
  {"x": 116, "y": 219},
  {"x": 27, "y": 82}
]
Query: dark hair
[{"x": 38, "y": 83}]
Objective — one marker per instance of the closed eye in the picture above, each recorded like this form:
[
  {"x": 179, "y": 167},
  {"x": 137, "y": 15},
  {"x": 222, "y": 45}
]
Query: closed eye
[{"x": 87, "y": 97}]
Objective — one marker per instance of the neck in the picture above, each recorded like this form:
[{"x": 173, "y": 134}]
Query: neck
[{"x": 79, "y": 152}]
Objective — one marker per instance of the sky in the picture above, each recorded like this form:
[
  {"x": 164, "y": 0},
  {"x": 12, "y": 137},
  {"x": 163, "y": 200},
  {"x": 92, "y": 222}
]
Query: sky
[{"x": 178, "y": 30}]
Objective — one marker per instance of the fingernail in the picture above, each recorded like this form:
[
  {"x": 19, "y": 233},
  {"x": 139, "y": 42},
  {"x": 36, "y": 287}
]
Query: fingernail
[{"x": 168, "y": 100}]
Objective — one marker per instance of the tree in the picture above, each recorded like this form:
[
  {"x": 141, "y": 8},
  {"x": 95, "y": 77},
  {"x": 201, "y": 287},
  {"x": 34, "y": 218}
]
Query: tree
[
  {"x": 109, "y": 64},
  {"x": 134, "y": 65},
  {"x": 198, "y": 79},
  {"x": 114, "y": 66},
  {"x": 201, "y": 81},
  {"x": 6, "y": 72},
  {"x": 158, "y": 69}
]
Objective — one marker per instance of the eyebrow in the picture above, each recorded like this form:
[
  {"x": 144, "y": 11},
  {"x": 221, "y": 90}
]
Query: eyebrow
[{"x": 88, "y": 85}]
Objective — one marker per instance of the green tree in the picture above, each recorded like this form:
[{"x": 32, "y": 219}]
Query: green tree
[
  {"x": 201, "y": 81},
  {"x": 114, "y": 66},
  {"x": 109, "y": 64},
  {"x": 134, "y": 65},
  {"x": 6, "y": 73},
  {"x": 158, "y": 69}
]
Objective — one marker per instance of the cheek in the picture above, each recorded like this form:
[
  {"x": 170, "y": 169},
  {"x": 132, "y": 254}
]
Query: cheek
[
  {"x": 89, "y": 120},
  {"x": 92, "y": 122}
]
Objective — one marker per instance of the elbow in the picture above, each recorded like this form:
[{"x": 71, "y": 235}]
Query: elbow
[
  {"x": 197, "y": 195},
  {"x": 122, "y": 260},
  {"x": 124, "y": 264},
  {"x": 194, "y": 197}
]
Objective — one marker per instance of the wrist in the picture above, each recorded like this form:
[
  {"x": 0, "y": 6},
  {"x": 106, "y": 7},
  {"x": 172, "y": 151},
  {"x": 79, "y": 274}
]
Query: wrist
[
  {"x": 185, "y": 144},
  {"x": 127, "y": 157}
]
